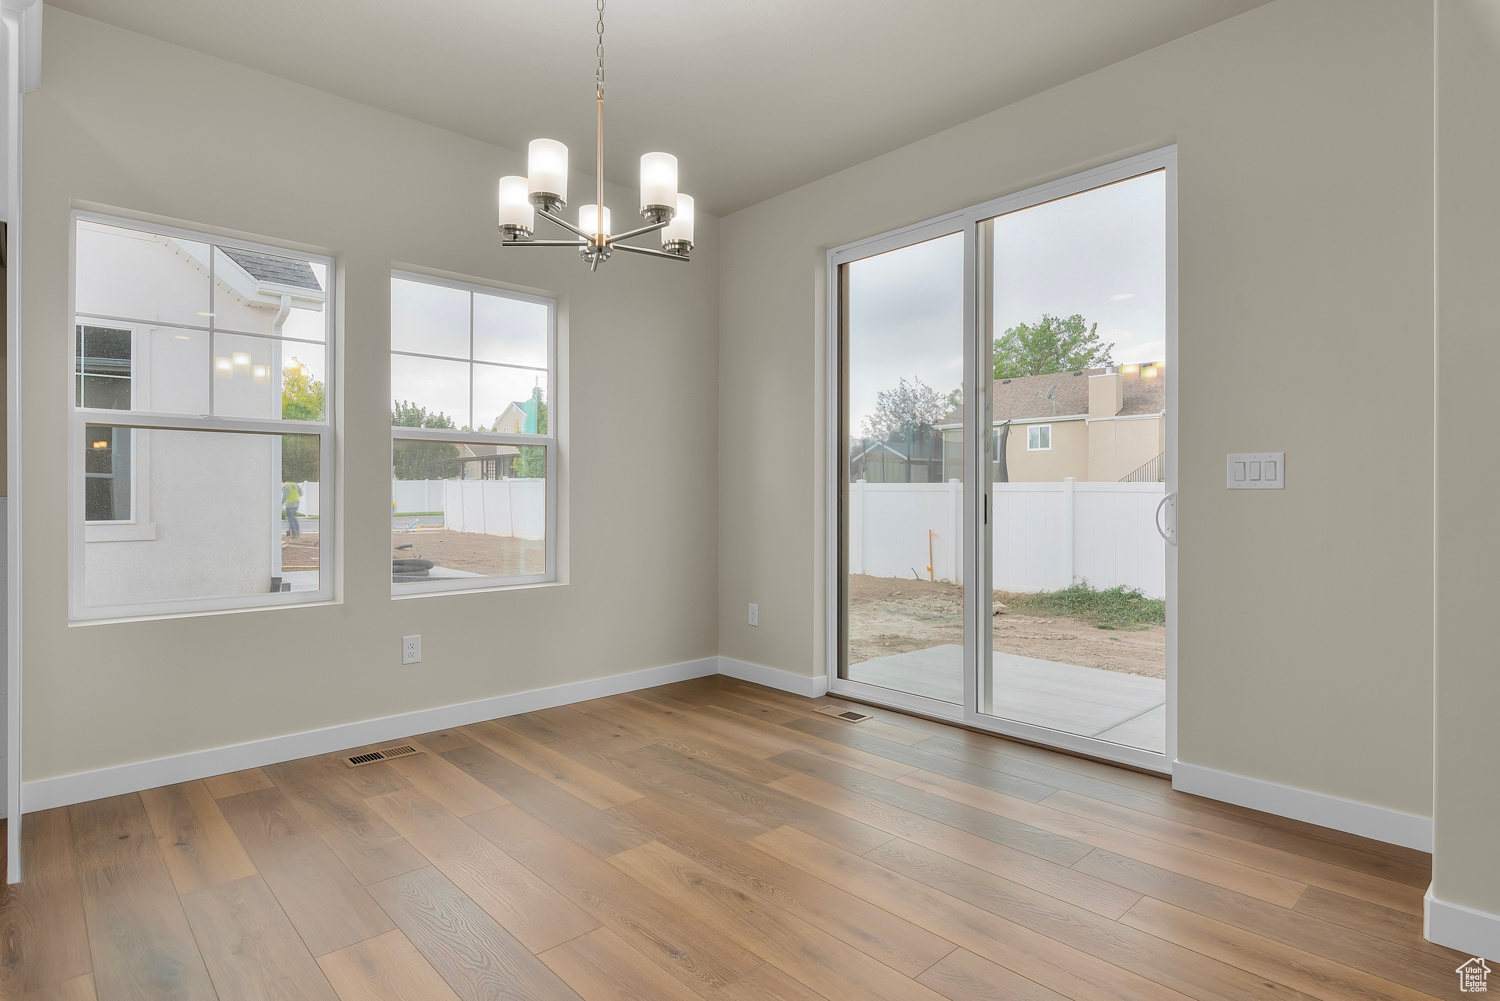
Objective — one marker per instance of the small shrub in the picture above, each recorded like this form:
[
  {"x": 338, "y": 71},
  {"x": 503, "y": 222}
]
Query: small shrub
[{"x": 1115, "y": 608}]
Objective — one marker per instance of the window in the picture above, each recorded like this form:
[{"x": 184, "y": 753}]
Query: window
[
  {"x": 473, "y": 436},
  {"x": 1039, "y": 438},
  {"x": 201, "y": 422}
]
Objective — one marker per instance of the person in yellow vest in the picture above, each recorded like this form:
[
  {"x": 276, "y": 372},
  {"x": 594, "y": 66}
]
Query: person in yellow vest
[{"x": 291, "y": 497}]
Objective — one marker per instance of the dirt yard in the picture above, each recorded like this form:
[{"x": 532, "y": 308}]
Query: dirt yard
[
  {"x": 889, "y": 615},
  {"x": 491, "y": 555},
  {"x": 300, "y": 553}
]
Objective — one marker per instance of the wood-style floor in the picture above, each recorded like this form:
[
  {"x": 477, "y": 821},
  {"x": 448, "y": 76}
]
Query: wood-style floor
[{"x": 707, "y": 840}]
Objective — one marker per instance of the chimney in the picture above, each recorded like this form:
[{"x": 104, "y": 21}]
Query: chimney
[{"x": 1106, "y": 394}]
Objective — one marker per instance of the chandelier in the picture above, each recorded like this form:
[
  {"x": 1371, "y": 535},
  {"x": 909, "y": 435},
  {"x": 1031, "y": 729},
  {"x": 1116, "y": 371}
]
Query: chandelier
[{"x": 544, "y": 192}]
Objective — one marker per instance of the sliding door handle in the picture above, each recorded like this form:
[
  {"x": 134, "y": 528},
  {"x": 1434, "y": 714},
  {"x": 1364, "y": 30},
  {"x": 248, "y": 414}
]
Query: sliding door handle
[{"x": 1169, "y": 532}]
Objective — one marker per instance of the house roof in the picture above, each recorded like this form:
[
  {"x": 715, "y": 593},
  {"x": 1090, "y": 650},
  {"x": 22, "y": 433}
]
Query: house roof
[
  {"x": 1025, "y": 397},
  {"x": 279, "y": 270}
]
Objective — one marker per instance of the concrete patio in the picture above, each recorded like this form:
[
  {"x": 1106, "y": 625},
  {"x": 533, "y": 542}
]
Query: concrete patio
[{"x": 1086, "y": 701}]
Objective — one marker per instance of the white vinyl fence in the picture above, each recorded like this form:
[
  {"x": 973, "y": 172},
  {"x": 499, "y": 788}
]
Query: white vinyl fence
[
  {"x": 496, "y": 507},
  {"x": 416, "y": 496},
  {"x": 1046, "y": 535}
]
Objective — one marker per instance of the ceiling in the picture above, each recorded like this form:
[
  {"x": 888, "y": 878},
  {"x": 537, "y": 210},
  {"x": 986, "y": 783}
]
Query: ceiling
[{"x": 754, "y": 96}]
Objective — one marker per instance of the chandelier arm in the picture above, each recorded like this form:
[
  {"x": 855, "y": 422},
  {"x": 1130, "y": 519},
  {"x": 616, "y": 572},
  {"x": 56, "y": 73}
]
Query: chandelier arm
[
  {"x": 544, "y": 243},
  {"x": 642, "y": 231},
  {"x": 649, "y": 252},
  {"x": 559, "y": 220}
]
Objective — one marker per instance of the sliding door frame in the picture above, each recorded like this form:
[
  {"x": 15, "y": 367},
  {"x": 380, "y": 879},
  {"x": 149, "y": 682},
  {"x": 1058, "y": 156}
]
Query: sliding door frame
[{"x": 978, "y": 347}]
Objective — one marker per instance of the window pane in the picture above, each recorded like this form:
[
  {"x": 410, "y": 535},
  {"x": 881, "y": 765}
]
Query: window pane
[
  {"x": 462, "y": 511},
  {"x": 106, "y": 470},
  {"x": 140, "y": 276},
  {"x": 268, "y": 378},
  {"x": 250, "y": 289},
  {"x": 512, "y": 331},
  {"x": 903, "y": 528},
  {"x": 102, "y": 363},
  {"x": 230, "y": 515},
  {"x": 429, "y": 392},
  {"x": 429, "y": 319},
  {"x": 512, "y": 400}
]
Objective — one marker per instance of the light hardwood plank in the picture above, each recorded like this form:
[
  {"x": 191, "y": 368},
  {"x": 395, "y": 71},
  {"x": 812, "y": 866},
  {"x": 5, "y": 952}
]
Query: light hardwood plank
[
  {"x": 76, "y": 989},
  {"x": 362, "y": 841},
  {"x": 439, "y": 741},
  {"x": 964, "y": 976},
  {"x": 384, "y": 968},
  {"x": 252, "y": 951},
  {"x": 1411, "y": 961},
  {"x": 879, "y": 934},
  {"x": 142, "y": 947},
  {"x": 815, "y": 958},
  {"x": 1314, "y": 975},
  {"x": 235, "y": 783},
  {"x": 597, "y": 830},
  {"x": 110, "y": 831},
  {"x": 324, "y": 902},
  {"x": 594, "y": 788},
  {"x": 1245, "y": 879},
  {"x": 478, "y": 959},
  {"x": 196, "y": 841},
  {"x": 43, "y": 936},
  {"x": 1037, "y": 957},
  {"x": 444, "y": 782},
  {"x": 537, "y": 915},
  {"x": 601, "y": 967},
  {"x": 1061, "y": 881},
  {"x": 699, "y": 956},
  {"x": 766, "y": 983}
]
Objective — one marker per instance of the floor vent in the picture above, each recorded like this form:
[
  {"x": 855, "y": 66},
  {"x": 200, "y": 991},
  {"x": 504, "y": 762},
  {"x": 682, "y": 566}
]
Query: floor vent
[
  {"x": 848, "y": 715},
  {"x": 370, "y": 757}
]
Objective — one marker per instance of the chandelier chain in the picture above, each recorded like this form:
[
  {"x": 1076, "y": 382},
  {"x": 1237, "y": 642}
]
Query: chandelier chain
[{"x": 599, "y": 74}]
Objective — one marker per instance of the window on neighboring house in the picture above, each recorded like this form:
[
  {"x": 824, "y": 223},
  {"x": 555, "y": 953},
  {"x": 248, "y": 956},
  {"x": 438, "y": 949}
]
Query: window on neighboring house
[
  {"x": 201, "y": 423},
  {"x": 1039, "y": 437},
  {"x": 473, "y": 436}
]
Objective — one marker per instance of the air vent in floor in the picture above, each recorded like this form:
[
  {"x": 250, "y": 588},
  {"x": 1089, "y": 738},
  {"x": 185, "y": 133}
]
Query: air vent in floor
[
  {"x": 848, "y": 715},
  {"x": 385, "y": 754}
]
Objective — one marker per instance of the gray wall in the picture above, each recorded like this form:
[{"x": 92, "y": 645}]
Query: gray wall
[
  {"x": 1304, "y": 134},
  {"x": 124, "y": 123},
  {"x": 1468, "y": 536}
]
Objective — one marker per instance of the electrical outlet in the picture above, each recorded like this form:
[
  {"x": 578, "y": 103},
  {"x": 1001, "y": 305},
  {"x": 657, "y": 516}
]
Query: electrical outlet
[
  {"x": 754, "y": 614},
  {"x": 411, "y": 649}
]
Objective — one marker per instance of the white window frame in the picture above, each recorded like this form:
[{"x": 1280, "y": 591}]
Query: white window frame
[
  {"x": 1037, "y": 430},
  {"x": 141, "y": 528},
  {"x": 413, "y": 589}
]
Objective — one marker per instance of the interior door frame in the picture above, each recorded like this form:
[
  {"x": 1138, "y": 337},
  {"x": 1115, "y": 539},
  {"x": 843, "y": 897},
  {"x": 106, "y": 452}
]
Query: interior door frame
[{"x": 977, "y": 503}]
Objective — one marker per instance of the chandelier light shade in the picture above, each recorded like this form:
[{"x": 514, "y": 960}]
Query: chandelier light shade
[
  {"x": 658, "y": 184},
  {"x": 588, "y": 220},
  {"x": 677, "y": 235},
  {"x": 517, "y": 214},
  {"x": 544, "y": 192},
  {"x": 547, "y": 170}
]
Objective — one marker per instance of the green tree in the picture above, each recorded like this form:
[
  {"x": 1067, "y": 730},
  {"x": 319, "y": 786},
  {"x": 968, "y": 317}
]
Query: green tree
[
  {"x": 422, "y": 460},
  {"x": 533, "y": 458},
  {"x": 302, "y": 399},
  {"x": 901, "y": 412},
  {"x": 1051, "y": 345}
]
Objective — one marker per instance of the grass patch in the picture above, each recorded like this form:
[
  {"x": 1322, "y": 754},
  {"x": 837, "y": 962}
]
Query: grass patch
[{"x": 1116, "y": 608}]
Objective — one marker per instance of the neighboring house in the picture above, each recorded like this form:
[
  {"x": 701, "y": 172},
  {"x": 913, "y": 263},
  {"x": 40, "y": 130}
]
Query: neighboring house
[
  {"x": 158, "y": 501},
  {"x": 1102, "y": 424}
]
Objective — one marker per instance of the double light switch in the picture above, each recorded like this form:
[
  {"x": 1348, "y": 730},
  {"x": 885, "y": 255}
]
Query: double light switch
[{"x": 1257, "y": 471}]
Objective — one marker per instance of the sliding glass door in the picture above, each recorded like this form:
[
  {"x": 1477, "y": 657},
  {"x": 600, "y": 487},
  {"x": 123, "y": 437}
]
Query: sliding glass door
[{"x": 1024, "y": 348}]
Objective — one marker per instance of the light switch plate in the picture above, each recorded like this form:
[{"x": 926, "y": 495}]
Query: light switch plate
[{"x": 1256, "y": 471}]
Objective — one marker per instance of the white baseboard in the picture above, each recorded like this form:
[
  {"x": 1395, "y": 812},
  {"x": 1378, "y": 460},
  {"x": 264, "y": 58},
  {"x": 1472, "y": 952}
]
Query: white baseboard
[
  {"x": 1471, "y": 932},
  {"x": 44, "y": 794},
  {"x": 774, "y": 677},
  {"x": 1377, "y": 822}
]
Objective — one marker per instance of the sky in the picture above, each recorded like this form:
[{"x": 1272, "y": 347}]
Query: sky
[{"x": 1101, "y": 253}]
